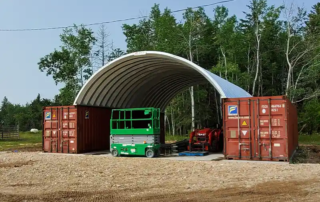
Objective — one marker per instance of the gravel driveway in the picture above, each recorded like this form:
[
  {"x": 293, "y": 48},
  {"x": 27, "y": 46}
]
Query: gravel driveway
[{"x": 47, "y": 177}]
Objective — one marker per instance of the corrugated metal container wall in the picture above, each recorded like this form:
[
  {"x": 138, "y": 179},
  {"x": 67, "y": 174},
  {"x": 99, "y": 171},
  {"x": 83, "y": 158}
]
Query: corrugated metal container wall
[
  {"x": 75, "y": 129},
  {"x": 93, "y": 128},
  {"x": 260, "y": 128}
]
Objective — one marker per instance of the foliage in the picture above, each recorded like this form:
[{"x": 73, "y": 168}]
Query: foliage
[
  {"x": 313, "y": 139},
  {"x": 263, "y": 53},
  {"x": 171, "y": 138},
  {"x": 250, "y": 52},
  {"x": 71, "y": 65},
  {"x": 27, "y": 117}
]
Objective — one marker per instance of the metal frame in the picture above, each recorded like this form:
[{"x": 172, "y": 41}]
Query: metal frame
[{"x": 115, "y": 81}]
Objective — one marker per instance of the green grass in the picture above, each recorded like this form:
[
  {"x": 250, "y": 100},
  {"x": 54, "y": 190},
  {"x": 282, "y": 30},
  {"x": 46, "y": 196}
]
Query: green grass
[
  {"x": 27, "y": 140},
  {"x": 309, "y": 139},
  {"x": 172, "y": 138}
]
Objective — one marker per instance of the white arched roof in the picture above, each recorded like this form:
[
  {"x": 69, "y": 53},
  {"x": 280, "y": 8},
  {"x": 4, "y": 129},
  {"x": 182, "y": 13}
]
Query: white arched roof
[{"x": 148, "y": 79}]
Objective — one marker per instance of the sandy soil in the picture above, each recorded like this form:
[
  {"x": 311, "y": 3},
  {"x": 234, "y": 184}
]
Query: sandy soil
[{"x": 47, "y": 177}]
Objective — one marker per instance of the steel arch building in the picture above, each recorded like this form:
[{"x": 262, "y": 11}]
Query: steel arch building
[{"x": 148, "y": 79}]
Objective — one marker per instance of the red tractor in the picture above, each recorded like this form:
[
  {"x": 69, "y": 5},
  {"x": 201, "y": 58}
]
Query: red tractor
[{"x": 206, "y": 139}]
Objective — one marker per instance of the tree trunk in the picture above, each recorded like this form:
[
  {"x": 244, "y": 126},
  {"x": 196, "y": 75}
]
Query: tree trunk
[
  {"x": 288, "y": 60},
  {"x": 217, "y": 106},
  {"x": 191, "y": 89},
  {"x": 257, "y": 58},
  {"x": 167, "y": 119},
  {"x": 225, "y": 63},
  {"x": 192, "y": 108},
  {"x": 172, "y": 121}
]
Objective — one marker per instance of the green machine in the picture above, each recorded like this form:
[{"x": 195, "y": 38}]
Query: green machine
[{"x": 135, "y": 132}]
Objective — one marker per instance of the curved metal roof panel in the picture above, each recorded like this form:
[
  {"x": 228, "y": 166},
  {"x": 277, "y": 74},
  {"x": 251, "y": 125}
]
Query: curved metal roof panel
[{"x": 148, "y": 79}]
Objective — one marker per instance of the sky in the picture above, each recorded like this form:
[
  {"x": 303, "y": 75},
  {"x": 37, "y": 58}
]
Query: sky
[{"x": 20, "y": 78}]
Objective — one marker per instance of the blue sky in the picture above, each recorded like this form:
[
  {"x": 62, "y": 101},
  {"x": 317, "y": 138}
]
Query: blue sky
[{"x": 20, "y": 78}]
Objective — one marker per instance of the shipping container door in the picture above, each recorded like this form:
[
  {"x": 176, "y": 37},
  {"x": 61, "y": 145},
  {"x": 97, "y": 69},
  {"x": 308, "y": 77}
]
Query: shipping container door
[
  {"x": 270, "y": 134},
  {"x": 237, "y": 121},
  {"x": 51, "y": 130},
  {"x": 67, "y": 135}
]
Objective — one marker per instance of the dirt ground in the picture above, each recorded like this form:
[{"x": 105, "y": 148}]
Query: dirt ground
[
  {"x": 31, "y": 176},
  {"x": 308, "y": 154}
]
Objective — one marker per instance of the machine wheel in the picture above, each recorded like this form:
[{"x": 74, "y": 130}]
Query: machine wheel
[
  {"x": 221, "y": 143},
  {"x": 149, "y": 153},
  {"x": 115, "y": 153},
  {"x": 158, "y": 153}
]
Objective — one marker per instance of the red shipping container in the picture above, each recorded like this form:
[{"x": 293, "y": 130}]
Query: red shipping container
[
  {"x": 75, "y": 129},
  {"x": 260, "y": 128}
]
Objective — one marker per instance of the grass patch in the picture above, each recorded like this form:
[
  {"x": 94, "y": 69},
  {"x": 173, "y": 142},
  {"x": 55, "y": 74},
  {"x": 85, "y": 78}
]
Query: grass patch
[
  {"x": 309, "y": 139},
  {"x": 27, "y": 140},
  {"x": 171, "y": 138}
]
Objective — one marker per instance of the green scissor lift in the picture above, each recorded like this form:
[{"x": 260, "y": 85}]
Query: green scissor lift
[{"x": 135, "y": 132}]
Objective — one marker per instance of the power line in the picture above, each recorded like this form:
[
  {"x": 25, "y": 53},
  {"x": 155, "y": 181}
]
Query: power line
[{"x": 107, "y": 22}]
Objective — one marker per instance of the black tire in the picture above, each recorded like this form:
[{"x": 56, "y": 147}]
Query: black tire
[
  {"x": 150, "y": 153},
  {"x": 115, "y": 153},
  {"x": 221, "y": 141}
]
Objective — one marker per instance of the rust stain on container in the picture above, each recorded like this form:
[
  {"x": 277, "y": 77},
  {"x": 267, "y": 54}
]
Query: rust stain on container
[
  {"x": 75, "y": 129},
  {"x": 260, "y": 128}
]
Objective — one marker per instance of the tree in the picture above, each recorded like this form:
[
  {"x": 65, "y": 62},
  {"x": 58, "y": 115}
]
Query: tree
[
  {"x": 5, "y": 118},
  {"x": 115, "y": 53},
  {"x": 313, "y": 24},
  {"x": 26, "y": 116},
  {"x": 225, "y": 34},
  {"x": 191, "y": 32},
  {"x": 103, "y": 47},
  {"x": 158, "y": 32},
  {"x": 71, "y": 65},
  {"x": 254, "y": 26},
  {"x": 302, "y": 55},
  {"x": 254, "y": 22}
]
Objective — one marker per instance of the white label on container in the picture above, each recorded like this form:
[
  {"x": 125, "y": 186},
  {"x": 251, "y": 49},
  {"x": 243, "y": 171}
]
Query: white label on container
[
  {"x": 263, "y": 111},
  {"x": 71, "y": 141},
  {"x": 133, "y": 150},
  {"x": 236, "y": 117},
  {"x": 276, "y": 144}
]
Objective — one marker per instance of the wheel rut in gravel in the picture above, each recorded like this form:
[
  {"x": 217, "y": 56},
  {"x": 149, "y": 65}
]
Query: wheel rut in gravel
[
  {"x": 269, "y": 191},
  {"x": 16, "y": 164}
]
